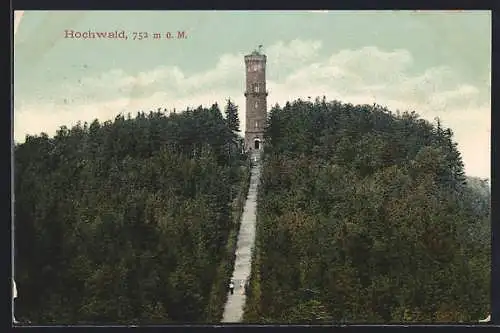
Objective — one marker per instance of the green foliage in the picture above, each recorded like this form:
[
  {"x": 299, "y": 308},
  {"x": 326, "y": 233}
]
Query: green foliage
[
  {"x": 218, "y": 296},
  {"x": 366, "y": 216},
  {"x": 125, "y": 221},
  {"x": 232, "y": 119}
]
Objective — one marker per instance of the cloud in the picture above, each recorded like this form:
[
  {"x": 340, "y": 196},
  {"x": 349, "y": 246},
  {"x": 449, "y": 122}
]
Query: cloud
[
  {"x": 171, "y": 80},
  {"x": 295, "y": 70},
  {"x": 372, "y": 63},
  {"x": 294, "y": 52}
]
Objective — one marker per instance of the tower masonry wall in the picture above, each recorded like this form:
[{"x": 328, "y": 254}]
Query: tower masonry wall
[{"x": 256, "y": 99}]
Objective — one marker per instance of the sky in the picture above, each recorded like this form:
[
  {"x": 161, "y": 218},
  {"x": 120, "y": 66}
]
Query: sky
[{"x": 437, "y": 63}]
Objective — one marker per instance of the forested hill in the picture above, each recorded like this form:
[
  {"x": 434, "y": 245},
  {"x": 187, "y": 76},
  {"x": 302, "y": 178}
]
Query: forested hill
[
  {"x": 480, "y": 199},
  {"x": 365, "y": 216},
  {"x": 127, "y": 221}
]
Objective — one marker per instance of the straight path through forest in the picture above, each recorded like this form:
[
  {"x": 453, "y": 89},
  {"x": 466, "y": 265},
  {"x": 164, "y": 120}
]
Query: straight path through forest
[{"x": 233, "y": 311}]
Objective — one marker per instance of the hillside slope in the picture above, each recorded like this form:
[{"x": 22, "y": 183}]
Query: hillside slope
[
  {"x": 364, "y": 216},
  {"x": 125, "y": 221}
]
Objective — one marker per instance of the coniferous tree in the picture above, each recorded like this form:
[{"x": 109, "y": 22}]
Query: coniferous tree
[{"x": 232, "y": 118}]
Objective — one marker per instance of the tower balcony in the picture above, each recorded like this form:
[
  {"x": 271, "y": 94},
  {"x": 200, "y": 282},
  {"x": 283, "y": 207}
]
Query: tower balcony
[{"x": 251, "y": 93}]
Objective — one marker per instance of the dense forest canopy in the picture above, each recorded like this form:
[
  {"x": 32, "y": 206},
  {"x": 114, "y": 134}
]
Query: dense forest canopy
[
  {"x": 126, "y": 221},
  {"x": 365, "y": 215}
]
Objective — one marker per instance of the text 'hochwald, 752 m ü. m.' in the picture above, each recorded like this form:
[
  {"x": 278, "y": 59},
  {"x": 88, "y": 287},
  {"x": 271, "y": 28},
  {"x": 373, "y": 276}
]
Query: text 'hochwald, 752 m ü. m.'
[{"x": 124, "y": 35}]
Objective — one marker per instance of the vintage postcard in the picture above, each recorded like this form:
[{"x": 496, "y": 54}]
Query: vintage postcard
[{"x": 271, "y": 167}]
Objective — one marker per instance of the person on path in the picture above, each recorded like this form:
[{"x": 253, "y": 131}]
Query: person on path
[
  {"x": 14, "y": 296},
  {"x": 487, "y": 320},
  {"x": 231, "y": 287}
]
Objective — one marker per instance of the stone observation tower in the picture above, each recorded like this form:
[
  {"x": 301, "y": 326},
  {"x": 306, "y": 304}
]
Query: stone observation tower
[{"x": 256, "y": 100}]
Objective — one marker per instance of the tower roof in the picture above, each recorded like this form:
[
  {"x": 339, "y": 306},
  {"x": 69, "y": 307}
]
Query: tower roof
[
  {"x": 255, "y": 56},
  {"x": 257, "y": 53}
]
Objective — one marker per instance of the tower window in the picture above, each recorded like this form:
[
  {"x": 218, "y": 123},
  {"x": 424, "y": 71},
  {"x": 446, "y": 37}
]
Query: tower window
[
  {"x": 257, "y": 124},
  {"x": 255, "y": 87},
  {"x": 256, "y": 67},
  {"x": 256, "y": 105}
]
